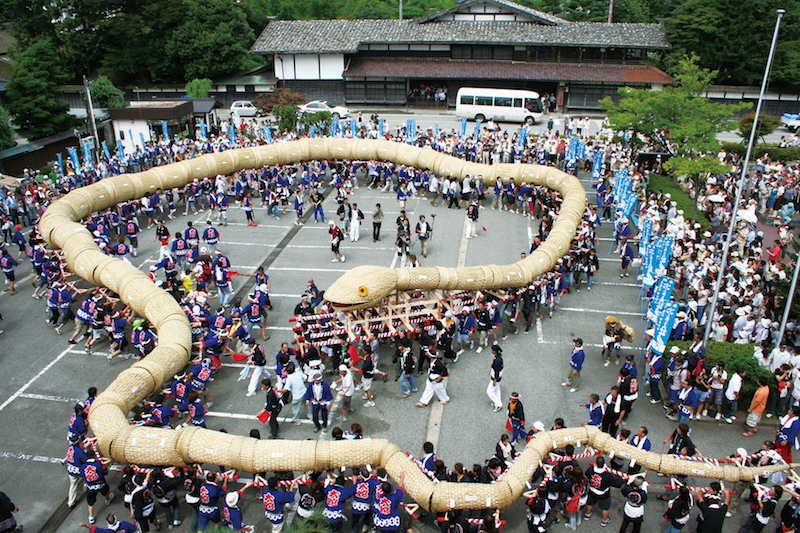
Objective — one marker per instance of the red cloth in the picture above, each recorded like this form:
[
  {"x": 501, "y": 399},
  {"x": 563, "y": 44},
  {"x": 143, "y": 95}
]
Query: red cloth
[{"x": 785, "y": 450}]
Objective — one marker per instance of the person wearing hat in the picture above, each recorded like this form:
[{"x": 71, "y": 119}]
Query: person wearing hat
[
  {"x": 78, "y": 426},
  {"x": 386, "y": 516},
  {"x": 495, "y": 376},
  {"x": 575, "y": 366},
  {"x": 231, "y": 512},
  {"x": 319, "y": 397},
  {"x": 635, "y": 493},
  {"x": 437, "y": 372},
  {"x": 516, "y": 418}
]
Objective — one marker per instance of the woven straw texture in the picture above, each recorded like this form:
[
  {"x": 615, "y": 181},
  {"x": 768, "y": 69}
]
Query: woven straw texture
[{"x": 195, "y": 445}]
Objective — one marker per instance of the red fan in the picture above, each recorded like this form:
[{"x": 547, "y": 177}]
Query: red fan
[{"x": 263, "y": 417}]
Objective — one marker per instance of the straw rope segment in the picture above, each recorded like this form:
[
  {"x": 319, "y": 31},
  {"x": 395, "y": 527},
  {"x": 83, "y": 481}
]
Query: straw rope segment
[{"x": 124, "y": 443}]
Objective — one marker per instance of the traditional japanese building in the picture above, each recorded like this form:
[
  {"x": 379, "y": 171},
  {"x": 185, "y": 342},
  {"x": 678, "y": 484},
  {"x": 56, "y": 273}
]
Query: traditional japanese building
[{"x": 483, "y": 43}]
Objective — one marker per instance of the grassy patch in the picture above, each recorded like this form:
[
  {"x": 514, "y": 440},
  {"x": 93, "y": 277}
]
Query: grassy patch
[{"x": 664, "y": 184}]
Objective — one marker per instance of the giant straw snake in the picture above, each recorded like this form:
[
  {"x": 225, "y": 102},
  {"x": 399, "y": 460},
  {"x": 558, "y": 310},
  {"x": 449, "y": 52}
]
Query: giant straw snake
[{"x": 361, "y": 287}]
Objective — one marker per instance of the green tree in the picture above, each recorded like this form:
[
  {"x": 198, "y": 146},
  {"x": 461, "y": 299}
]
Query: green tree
[
  {"x": 6, "y": 132},
  {"x": 766, "y": 125},
  {"x": 198, "y": 88},
  {"x": 34, "y": 105},
  {"x": 692, "y": 121},
  {"x": 631, "y": 11},
  {"x": 105, "y": 94},
  {"x": 286, "y": 116},
  {"x": 733, "y": 37},
  {"x": 321, "y": 120},
  {"x": 214, "y": 39}
]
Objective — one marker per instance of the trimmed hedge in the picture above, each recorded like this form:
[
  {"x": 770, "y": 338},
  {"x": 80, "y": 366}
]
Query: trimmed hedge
[
  {"x": 776, "y": 153},
  {"x": 664, "y": 184},
  {"x": 734, "y": 356}
]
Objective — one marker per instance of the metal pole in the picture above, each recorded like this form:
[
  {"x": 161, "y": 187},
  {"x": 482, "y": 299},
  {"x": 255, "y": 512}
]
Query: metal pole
[
  {"x": 401, "y": 10},
  {"x": 91, "y": 114},
  {"x": 789, "y": 299},
  {"x": 610, "y": 11},
  {"x": 726, "y": 248}
]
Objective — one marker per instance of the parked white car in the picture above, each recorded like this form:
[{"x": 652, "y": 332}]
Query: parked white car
[
  {"x": 321, "y": 105},
  {"x": 244, "y": 108}
]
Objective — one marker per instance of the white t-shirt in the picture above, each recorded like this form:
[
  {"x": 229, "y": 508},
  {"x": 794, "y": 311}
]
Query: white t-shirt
[
  {"x": 734, "y": 386},
  {"x": 348, "y": 386}
]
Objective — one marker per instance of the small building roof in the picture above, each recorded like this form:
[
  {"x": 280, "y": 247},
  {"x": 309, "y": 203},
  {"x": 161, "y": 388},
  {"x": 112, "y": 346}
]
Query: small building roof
[
  {"x": 504, "y": 6},
  {"x": 345, "y": 36},
  {"x": 201, "y": 106},
  {"x": 444, "y": 68},
  {"x": 152, "y": 110}
]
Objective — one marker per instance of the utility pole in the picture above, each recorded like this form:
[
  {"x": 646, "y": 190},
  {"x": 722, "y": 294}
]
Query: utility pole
[
  {"x": 740, "y": 186},
  {"x": 91, "y": 114},
  {"x": 401, "y": 10},
  {"x": 610, "y": 10}
]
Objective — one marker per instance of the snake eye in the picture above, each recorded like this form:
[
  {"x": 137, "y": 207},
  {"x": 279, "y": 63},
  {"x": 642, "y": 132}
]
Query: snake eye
[{"x": 362, "y": 290}]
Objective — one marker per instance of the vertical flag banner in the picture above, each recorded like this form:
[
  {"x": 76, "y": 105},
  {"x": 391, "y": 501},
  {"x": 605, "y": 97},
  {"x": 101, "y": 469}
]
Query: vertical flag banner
[
  {"x": 165, "y": 130},
  {"x": 353, "y": 128},
  {"x": 231, "y": 133},
  {"x": 380, "y": 128},
  {"x": 663, "y": 289},
  {"x": 477, "y": 129},
  {"x": 268, "y": 134},
  {"x": 462, "y": 130},
  {"x": 341, "y": 129},
  {"x": 312, "y": 133},
  {"x": 203, "y": 129},
  {"x": 436, "y": 134},
  {"x": 73, "y": 155},
  {"x": 663, "y": 327},
  {"x": 663, "y": 254},
  {"x": 120, "y": 148},
  {"x": 581, "y": 149},
  {"x": 334, "y": 126},
  {"x": 141, "y": 138},
  {"x": 644, "y": 236},
  {"x": 87, "y": 153},
  {"x": 60, "y": 157},
  {"x": 105, "y": 151},
  {"x": 598, "y": 163}
]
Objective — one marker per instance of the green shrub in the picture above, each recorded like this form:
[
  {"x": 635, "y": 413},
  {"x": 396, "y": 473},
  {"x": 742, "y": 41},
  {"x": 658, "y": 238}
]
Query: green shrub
[
  {"x": 734, "y": 356},
  {"x": 633, "y": 140},
  {"x": 788, "y": 154},
  {"x": 664, "y": 184}
]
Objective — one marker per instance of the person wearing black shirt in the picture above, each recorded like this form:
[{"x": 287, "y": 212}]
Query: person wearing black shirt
[
  {"x": 761, "y": 515},
  {"x": 7, "y": 521},
  {"x": 712, "y": 509},
  {"x": 272, "y": 406}
]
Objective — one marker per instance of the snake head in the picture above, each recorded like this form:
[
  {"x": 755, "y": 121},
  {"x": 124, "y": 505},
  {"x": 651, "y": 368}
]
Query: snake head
[{"x": 361, "y": 287}]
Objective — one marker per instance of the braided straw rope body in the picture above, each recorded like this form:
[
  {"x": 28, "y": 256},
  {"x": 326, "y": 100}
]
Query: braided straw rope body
[{"x": 124, "y": 443}]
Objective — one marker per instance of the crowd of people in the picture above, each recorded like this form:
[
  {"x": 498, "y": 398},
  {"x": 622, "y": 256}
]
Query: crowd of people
[{"x": 197, "y": 273}]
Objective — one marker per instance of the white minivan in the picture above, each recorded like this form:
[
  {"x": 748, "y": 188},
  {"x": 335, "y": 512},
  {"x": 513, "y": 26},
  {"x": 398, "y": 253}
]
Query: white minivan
[
  {"x": 501, "y": 105},
  {"x": 244, "y": 108}
]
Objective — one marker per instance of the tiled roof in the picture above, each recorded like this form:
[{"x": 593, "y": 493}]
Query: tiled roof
[
  {"x": 544, "y": 18},
  {"x": 344, "y": 36},
  {"x": 442, "y": 68}
]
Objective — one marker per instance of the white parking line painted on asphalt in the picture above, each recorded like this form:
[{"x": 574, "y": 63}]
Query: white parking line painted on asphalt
[
  {"x": 601, "y": 311},
  {"x": 243, "y": 416},
  {"x": 29, "y": 457},
  {"x": 307, "y": 269},
  {"x": 49, "y": 398},
  {"x": 33, "y": 379}
]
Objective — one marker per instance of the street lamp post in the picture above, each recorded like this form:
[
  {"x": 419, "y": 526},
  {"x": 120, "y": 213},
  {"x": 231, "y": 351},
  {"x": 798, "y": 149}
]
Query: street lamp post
[{"x": 731, "y": 226}]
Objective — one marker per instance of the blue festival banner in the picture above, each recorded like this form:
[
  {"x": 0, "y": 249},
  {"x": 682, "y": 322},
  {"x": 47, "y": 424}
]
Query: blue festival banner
[
  {"x": 341, "y": 129},
  {"x": 353, "y": 128},
  {"x": 164, "y": 130},
  {"x": 663, "y": 289},
  {"x": 231, "y": 134},
  {"x": 268, "y": 134},
  {"x": 411, "y": 130},
  {"x": 312, "y": 132},
  {"x": 663, "y": 327},
  {"x": 644, "y": 236},
  {"x": 436, "y": 134},
  {"x": 622, "y": 184},
  {"x": 581, "y": 149},
  {"x": 598, "y": 163},
  {"x": 120, "y": 148},
  {"x": 73, "y": 155},
  {"x": 87, "y": 153},
  {"x": 477, "y": 129},
  {"x": 203, "y": 129},
  {"x": 334, "y": 126},
  {"x": 60, "y": 157},
  {"x": 141, "y": 138},
  {"x": 380, "y": 127},
  {"x": 105, "y": 151},
  {"x": 663, "y": 254},
  {"x": 462, "y": 130},
  {"x": 523, "y": 136},
  {"x": 628, "y": 203}
]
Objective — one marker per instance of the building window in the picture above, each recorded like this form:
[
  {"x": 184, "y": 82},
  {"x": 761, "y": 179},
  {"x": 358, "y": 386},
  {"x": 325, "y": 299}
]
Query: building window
[
  {"x": 504, "y": 53},
  {"x": 546, "y": 53}
]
